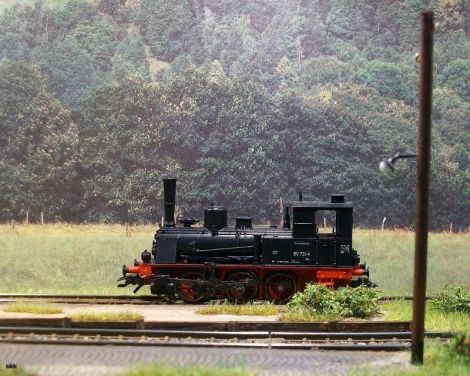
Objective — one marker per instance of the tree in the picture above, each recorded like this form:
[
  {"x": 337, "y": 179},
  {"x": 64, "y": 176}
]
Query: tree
[
  {"x": 456, "y": 75},
  {"x": 38, "y": 164},
  {"x": 351, "y": 21},
  {"x": 167, "y": 27},
  {"x": 131, "y": 55},
  {"x": 70, "y": 69},
  {"x": 99, "y": 40},
  {"x": 22, "y": 28},
  {"x": 387, "y": 79},
  {"x": 449, "y": 14},
  {"x": 122, "y": 158}
]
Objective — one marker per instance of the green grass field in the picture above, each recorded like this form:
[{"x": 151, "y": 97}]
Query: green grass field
[
  {"x": 390, "y": 257},
  {"x": 85, "y": 259}
]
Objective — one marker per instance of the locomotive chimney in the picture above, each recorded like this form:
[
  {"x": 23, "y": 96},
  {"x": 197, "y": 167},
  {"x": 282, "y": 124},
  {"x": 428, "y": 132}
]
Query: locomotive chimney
[{"x": 169, "y": 195}]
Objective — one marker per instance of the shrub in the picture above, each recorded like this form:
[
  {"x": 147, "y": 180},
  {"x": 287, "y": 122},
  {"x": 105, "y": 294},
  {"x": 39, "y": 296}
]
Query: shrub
[
  {"x": 452, "y": 299},
  {"x": 316, "y": 298},
  {"x": 344, "y": 302},
  {"x": 361, "y": 301}
]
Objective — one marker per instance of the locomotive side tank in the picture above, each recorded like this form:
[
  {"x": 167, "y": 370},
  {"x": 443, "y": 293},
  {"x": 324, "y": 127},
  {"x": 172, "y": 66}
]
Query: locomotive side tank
[{"x": 245, "y": 262}]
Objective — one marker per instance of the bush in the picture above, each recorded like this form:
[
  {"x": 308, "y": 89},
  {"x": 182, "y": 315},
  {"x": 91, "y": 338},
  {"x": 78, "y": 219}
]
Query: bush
[
  {"x": 361, "y": 301},
  {"x": 344, "y": 302},
  {"x": 316, "y": 298},
  {"x": 452, "y": 299}
]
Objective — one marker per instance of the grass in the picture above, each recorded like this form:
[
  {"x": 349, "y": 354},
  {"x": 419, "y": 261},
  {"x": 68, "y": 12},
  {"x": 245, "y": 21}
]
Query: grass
[
  {"x": 392, "y": 311},
  {"x": 439, "y": 360},
  {"x": 434, "y": 319},
  {"x": 107, "y": 316},
  {"x": 37, "y": 308},
  {"x": 87, "y": 259},
  {"x": 69, "y": 259},
  {"x": 300, "y": 314},
  {"x": 194, "y": 370},
  {"x": 13, "y": 371},
  {"x": 390, "y": 257},
  {"x": 264, "y": 309}
]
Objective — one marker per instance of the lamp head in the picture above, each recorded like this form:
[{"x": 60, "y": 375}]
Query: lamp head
[{"x": 386, "y": 166}]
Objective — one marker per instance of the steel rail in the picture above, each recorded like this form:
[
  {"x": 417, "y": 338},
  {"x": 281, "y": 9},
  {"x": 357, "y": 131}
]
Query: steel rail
[
  {"x": 217, "y": 334},
  {"x": 371, "y": 341},
  {"x": 124, "y": 299}
]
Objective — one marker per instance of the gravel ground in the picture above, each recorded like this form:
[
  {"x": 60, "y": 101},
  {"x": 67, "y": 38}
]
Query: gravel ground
[{"x": 71, "y": 360}]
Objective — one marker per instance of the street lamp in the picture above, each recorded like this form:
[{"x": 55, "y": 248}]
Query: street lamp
[
  {"x": 386, "y": 165},
  {"x": 423, "y": 173}
]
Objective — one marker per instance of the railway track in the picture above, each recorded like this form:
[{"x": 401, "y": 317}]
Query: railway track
[
  {"x": 88, "y": 299},
  {"x": 117, "y": 299},
  {"x": 371, "y": 341}
]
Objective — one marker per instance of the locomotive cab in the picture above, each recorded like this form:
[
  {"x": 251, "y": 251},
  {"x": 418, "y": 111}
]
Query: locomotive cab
[{"x": 308, "y": 245}]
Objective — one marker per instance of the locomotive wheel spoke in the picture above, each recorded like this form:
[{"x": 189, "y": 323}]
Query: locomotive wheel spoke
[
  {"x": 188, "y": 291},
  {"x": 280, "y": 287},
  {"x": 248, "y": 290}
]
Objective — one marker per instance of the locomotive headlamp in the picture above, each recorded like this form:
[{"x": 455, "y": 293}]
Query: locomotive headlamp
[{"x": 386, "y": 165}]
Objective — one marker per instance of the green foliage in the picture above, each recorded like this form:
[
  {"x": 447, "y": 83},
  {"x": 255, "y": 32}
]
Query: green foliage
[
  {"x": 248, "y": 309},
  {"x": 452, "y": 299},
  {"x": 387, "y": 79},
  {"x": 131, "y": 56},
  {"x": 245, "y": 102},
  {"x": 31, "y": 307},
  {"x": 193, "y": 370},
  {"x": 86, "y": 316},
  {"x": 456, "y": 75},
  {"x": 344, "y": 302},
  {"x": 166, "y": 26},
  {"x": 318, "y": 298},
  {"x": 357, "y": 302},
  {"x": 70, "y": 69},
  {"x": 120, "y": 129},
  {"x": 99, "y": 40},
  {"x": 401, "y": 310},
  {"x": 15, "y": 372},
  {"x": 39, "y": 144},
  {"x": 439, "y": 359},
  {"x": 461, "y": 345}
]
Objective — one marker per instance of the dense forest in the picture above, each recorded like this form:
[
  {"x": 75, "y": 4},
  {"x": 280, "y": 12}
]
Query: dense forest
[{"x": 244, "y": 101}]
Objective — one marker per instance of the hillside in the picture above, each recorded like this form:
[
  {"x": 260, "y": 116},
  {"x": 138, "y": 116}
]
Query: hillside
[{"x": 243, "y": 101}]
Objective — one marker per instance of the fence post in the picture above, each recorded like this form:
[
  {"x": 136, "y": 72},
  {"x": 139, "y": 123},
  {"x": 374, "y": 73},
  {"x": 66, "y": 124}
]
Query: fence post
[
  {"x": 26, "y": 221},
  {"x": 42, "y": 218},
  {"x": 128, "y": 234},
  {"x": 13, "y": 227}
]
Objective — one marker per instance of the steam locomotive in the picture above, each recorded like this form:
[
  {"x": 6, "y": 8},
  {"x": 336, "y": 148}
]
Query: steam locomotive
[{"x": 245, "y": 262}]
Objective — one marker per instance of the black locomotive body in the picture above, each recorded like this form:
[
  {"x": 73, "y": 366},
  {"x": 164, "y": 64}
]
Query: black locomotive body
[{"x": 245, "y": 262}]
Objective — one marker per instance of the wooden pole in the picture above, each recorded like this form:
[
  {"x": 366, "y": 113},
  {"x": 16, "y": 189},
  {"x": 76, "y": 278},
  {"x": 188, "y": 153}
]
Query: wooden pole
[
  {"x": 422, "y": 186},
  {"x": 42, "y": 218}
]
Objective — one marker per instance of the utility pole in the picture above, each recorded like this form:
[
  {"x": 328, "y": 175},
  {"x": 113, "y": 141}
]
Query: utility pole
[{"x": 422, "y": 186}]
